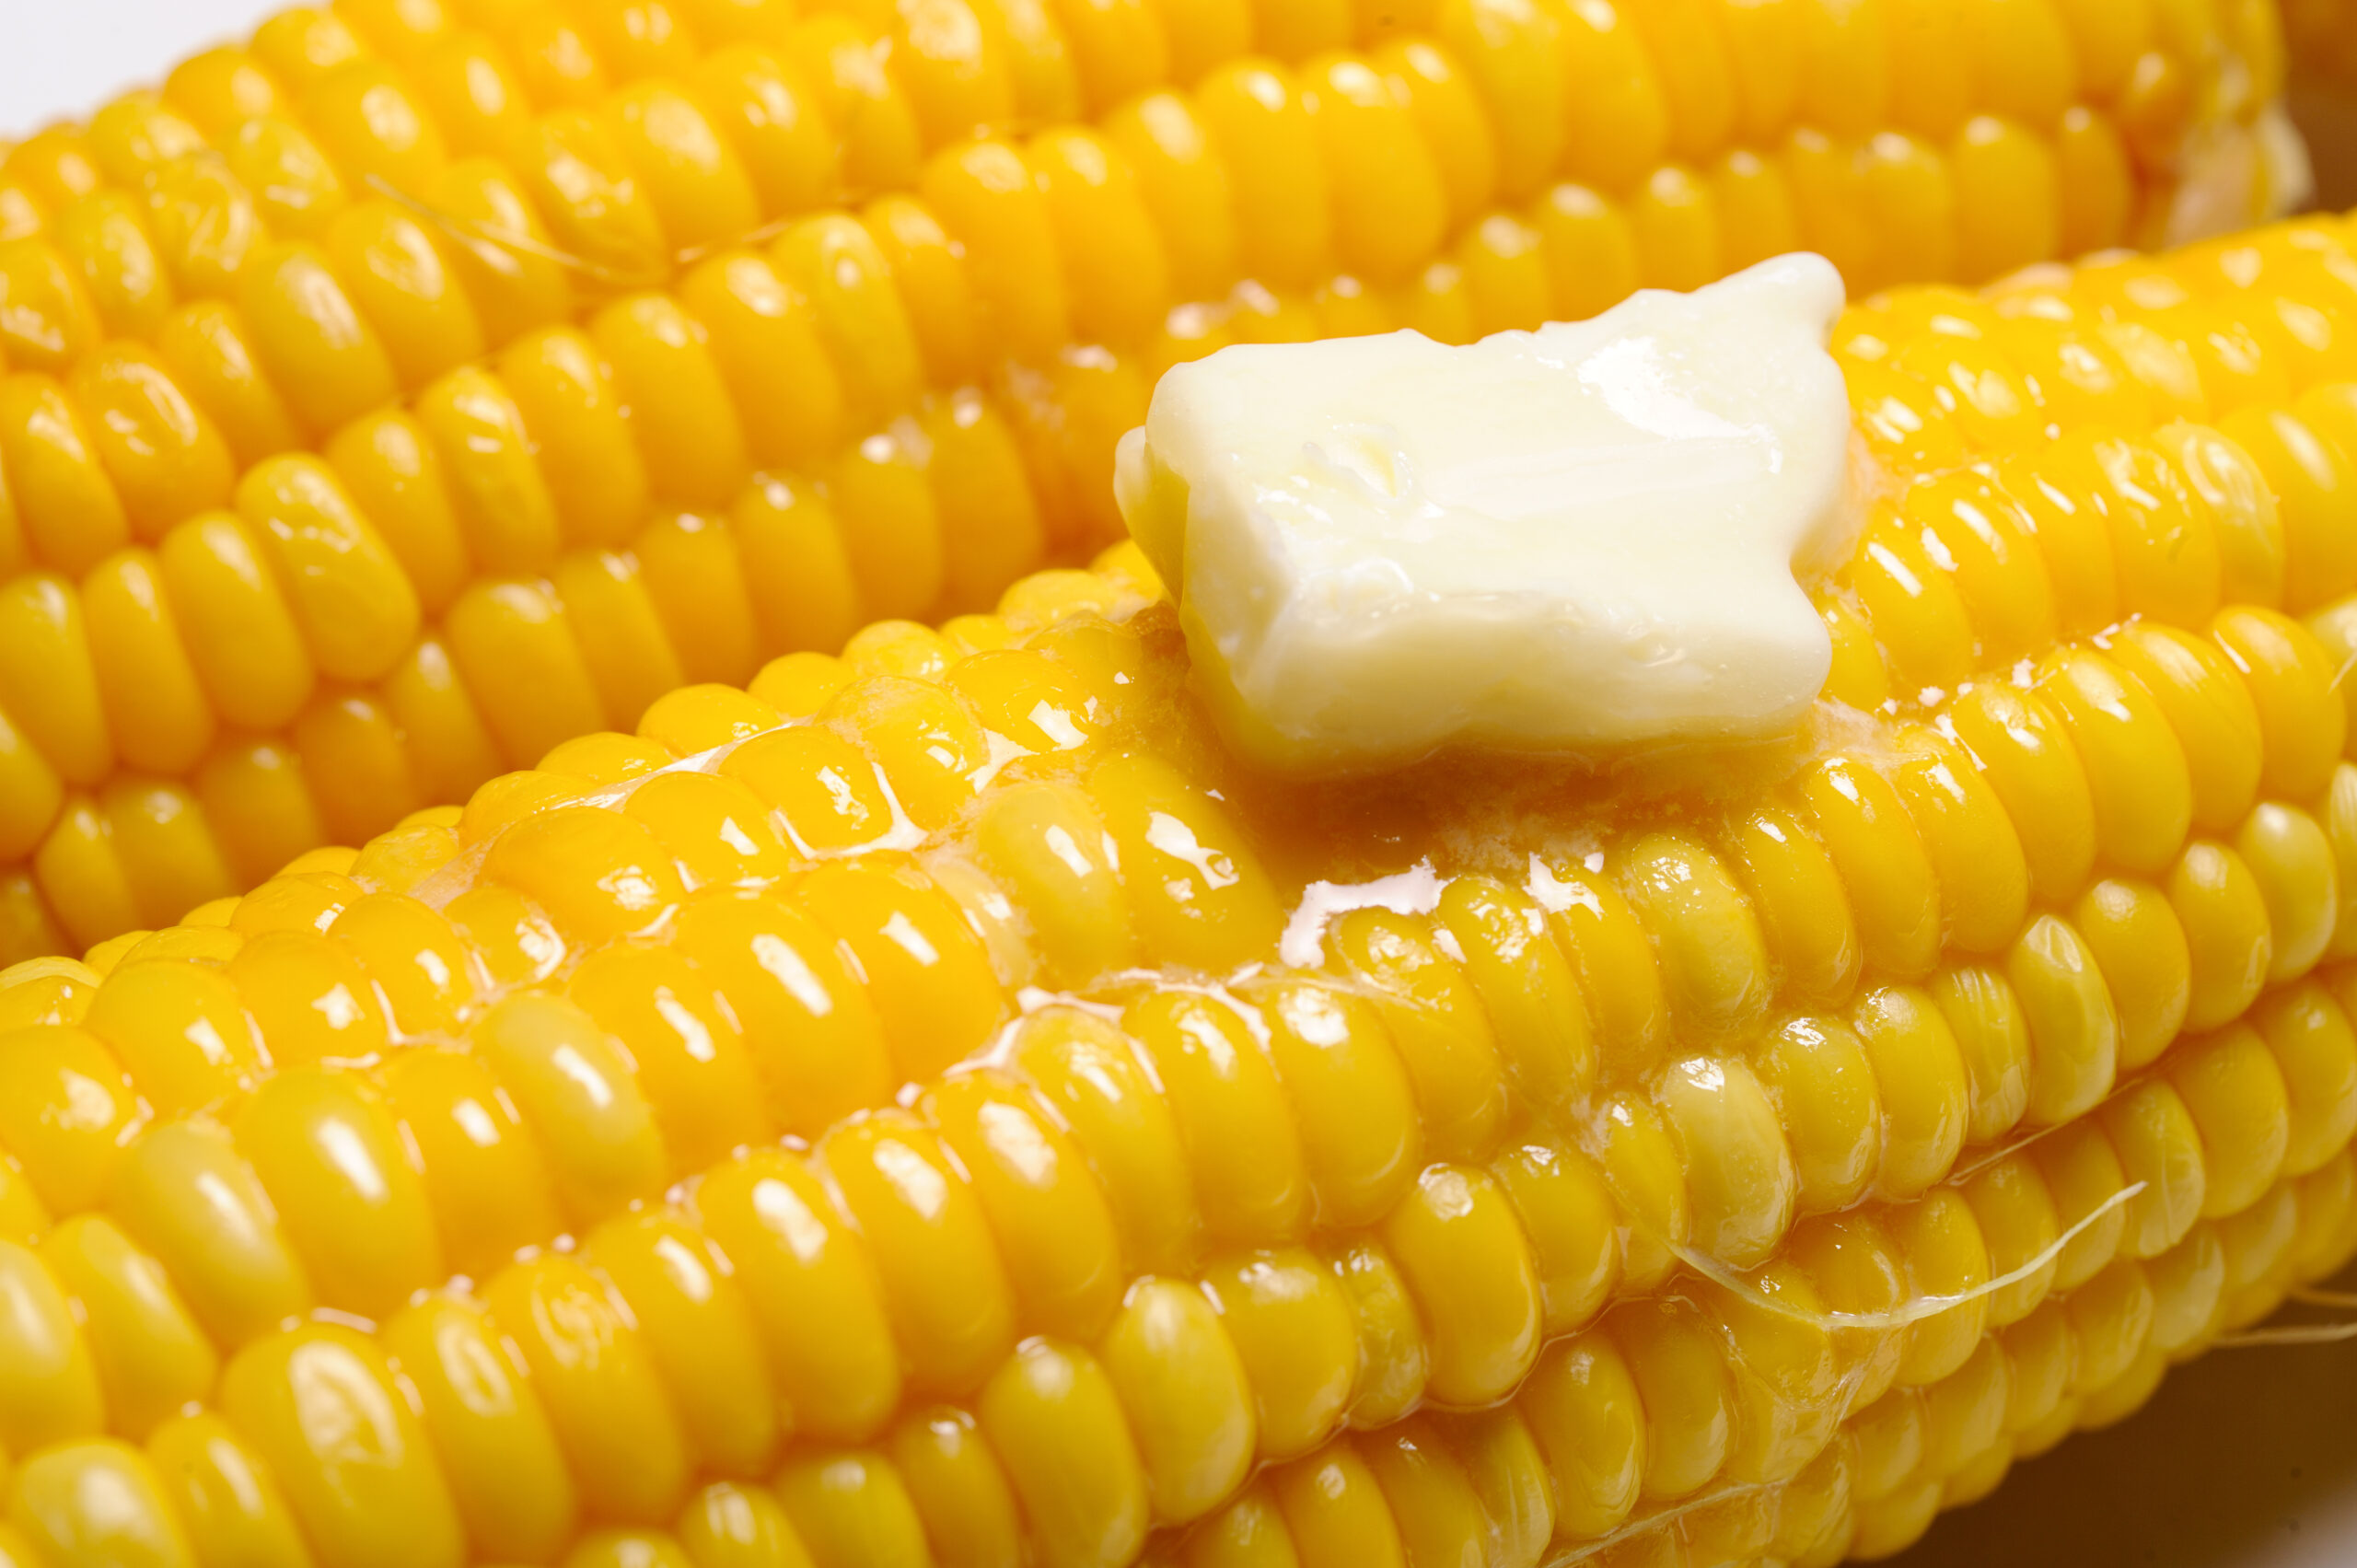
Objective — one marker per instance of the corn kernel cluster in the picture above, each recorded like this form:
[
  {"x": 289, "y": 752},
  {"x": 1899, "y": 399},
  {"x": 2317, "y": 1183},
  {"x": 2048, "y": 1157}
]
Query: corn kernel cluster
[
  {"x": 931, "y": 1105},
  {"x": 415, "y": 388}
]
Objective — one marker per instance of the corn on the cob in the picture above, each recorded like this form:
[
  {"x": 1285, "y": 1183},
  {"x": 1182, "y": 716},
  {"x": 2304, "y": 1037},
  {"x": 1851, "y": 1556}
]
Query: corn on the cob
[
  {"x": 931, "y": 1105},
  {"x": 409, "y": 390},
  {"x": 1565, "y": 1462}
]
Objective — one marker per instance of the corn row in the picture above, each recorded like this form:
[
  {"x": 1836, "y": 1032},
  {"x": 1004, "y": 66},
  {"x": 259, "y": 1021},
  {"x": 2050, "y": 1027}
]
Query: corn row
[
  {"x": 642, "y": 145},
  {"x": 1657, "y": 1402},
  {"x": 805, "y": 450},
  {"x": 1565, "y": 1461}
]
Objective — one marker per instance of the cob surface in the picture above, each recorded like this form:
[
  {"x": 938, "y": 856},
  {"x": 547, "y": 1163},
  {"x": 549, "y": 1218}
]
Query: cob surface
[
  {"x": 415, "y": 388},
  {"x": 931, "y": 1105}
]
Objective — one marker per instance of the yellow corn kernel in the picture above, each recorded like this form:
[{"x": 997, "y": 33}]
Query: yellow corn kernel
[
  {"x": 2309, "y": 1034},
  {"x": 98, "y": 1498},
  {"x": 2074, "y": 1023},
  {"x": 953, "y": 1308},
  {"x": 309, "y": 999},
  {"x": 699, "y": 1332},
  {"x": 154, "y": 701},
  {"x": 2227, "y": 928},
  {"x": 1185, "y": 186},
  {"x": 1946, "y": 1257},
  {"x": 2234, "y": 1092},
  {"x": 1823, "y": 1086},
  {"x": 501, "y": 1455},
  {"x": 1574, "y": 1225},
  {"x": 987, "y": 197},
  {"x": 496, "y": 490},
  {"x": 727, "y": 1524},
  {"x": 1335, "y": 1512},
  {"x": 185, "y": 1195},
  {"x": 2308, "y": 476},
  {"x": 2159, "y": 1146},
  {"x": 225, "y": 1498},
  {"x": 1352, "y": 1104},
  {"x": 511, "y": 272},
  {"x": 852, "y": 1506},
  {"x": 510, "y": 643},
  {"x": 1739, "y": 1175},
  {"x": 596, "y": 210},
  {"x": 345, "y": 589},
  {"x": 1680, "y": 1376},
  {"x": 1086, "y": 1075},
  {"x": 406, "y": 288},
  {"x": 69, "y": 1109},
  {"x": 1250, "y": 1174},
  {"x": 595, "y": 1377},
  {"x": 64, "y": 501},
  {"x": 1676, "y": 227},
  {"x": 1184, "y": 1386},
  {"x": 1437, "y": 1024},
  {"x": 815, "y": 1293},
  {"x": 2146, "y": 963},
  {"x": 1468, "y": 1263},
  {"x": 2293, "y": 861},
  {"x": 51, "y": 320},
  {"x": 1438, "y": 1512},
  {"x": 1263, "y": 133},
  {"x": 151, "y": 1356},
  {"x": 1711, "y": 952},
  {"x": 2136, "y": 768},
  {"x": 2291, "y": 684},
  {"x": 164, "y": 457},
  {"x": 220, "y": 87},
  {"x": 352, "y": 1205},
  {"x": 490, "y": 1191},
  {"x": 935, "y": 995},
  {"x": 2016, "y": 1215},
  {"x": 1054, "y": 1231},
  {"x": 2211, "y": 712},
  {"x": 817, "y": 1041},
  {"x": 1530, "y": 76},
  {"x": 717, "y": 830},
  {"x": 565, "y": 1073},
  {"x": 1883, "y": 865},
  {"x": 54, "y": 1389},
  {"x": 1293, "y": 1333}
]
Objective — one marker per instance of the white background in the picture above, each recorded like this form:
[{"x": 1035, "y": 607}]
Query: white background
[
  {"x": 63, "y": 57},
  {"x": 2247, "y": 1459}
]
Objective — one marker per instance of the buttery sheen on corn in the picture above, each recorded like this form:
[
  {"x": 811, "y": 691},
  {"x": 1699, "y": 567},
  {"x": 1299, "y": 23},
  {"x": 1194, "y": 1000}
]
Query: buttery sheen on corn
[
  {"x": 934, "y": 1106},
  {"x": 418, "y": 385}
]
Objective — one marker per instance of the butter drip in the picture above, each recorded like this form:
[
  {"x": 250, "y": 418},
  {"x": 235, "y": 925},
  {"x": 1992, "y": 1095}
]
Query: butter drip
[{"x": 1589, "y": 537}]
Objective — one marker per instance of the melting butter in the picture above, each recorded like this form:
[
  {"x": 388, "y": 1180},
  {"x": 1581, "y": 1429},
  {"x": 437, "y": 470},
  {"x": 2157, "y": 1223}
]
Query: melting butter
[{"x": 1581, "y": 537}]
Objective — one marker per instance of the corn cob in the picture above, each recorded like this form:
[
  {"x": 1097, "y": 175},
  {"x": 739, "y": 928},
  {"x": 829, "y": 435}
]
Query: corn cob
[
  {"x": 1567, "y": 1453},
  {"x": 936, "y": 1099},
  {"x": 489, "y": 374}
]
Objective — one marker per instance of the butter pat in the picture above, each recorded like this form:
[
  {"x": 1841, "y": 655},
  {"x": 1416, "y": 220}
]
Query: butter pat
[{"x": 1577, "y": 539}]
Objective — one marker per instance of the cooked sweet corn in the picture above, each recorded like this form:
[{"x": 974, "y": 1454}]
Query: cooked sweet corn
[
  {"x": 932, "y": 1105},
  {"x": 410, "y": 389},
  {"x": 1868, "y": 1453}
]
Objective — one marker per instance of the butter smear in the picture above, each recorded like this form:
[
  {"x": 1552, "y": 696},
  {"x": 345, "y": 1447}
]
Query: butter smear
[{"x": 1580, "y": 539}]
